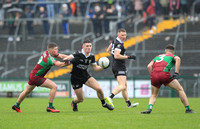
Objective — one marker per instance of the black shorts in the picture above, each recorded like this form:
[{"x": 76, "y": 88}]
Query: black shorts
[
  {"x": 119, "y": 73},
  {"x": 77, "y": 82}
]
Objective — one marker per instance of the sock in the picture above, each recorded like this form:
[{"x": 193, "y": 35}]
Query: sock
[
  {"x": 150, "y": 106},
  {"x": 128, "y": 103},
  {"x": 103, "y": 102},
  {"x": 17, "y": 104},
  {"x": 112, "y": 96},
  {"x": 50, "y": 104},
  {"x": 187, "y": 107}
]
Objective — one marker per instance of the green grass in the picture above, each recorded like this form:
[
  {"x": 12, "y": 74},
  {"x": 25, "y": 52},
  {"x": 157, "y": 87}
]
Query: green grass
[{"x": 168, "y": 113}]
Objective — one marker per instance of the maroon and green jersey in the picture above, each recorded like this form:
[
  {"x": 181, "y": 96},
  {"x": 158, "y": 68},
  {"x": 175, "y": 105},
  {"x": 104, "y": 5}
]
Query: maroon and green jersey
[
  {"x": 44, "y": 64},
  {"x": 163, "y": 62}
]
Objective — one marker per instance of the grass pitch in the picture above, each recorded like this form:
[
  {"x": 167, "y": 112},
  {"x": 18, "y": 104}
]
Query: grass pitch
[{"x": 168, "y": 113}]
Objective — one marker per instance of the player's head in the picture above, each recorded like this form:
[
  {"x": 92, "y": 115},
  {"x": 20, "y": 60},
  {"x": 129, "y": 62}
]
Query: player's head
[
  {"x": 87, "y": 46},
  {"x": 53, "y": 49},
  {"x": 169, "y": 48},
  {"x": 121, "y": 34}
]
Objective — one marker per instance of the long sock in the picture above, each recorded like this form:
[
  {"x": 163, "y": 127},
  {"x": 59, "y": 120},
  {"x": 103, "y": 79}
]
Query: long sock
[
  {"x": 103, "y": 102},
  {"x": 112, "y": 96},
  {"x": 187, "y": 107},
  {"x": 128, "y": 103},
  {"x": 17, "y": 105},
  {"x": 50, "y": 104},
  {"x": 150, "y": 106}
]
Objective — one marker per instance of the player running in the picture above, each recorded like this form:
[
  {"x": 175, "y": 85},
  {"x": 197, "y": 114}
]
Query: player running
[
  {"x": 36, "y": 77},
  {"x": 119, "y": 68},
  {"x": 80, "y": 76},
  {"x": 159, "y": 68}
]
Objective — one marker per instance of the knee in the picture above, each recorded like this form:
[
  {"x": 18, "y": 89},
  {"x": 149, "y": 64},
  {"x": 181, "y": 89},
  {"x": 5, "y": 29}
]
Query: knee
[
  {"x": 55, "y": 87},
  {"x": 99, "y": 90}
]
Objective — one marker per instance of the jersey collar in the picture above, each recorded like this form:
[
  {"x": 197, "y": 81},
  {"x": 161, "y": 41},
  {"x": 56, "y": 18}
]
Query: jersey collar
[
  {"x": 84, "y": 53},
  {"x": 119, "y": 40}
]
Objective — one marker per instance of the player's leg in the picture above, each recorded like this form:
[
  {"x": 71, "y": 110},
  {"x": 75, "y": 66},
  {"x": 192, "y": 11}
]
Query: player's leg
[
  {"x": 121, "y": 79},
  {"x": 177, "y": 86},
  {"x": 21, "y": 97},
  {"x": 91, "y": 82},
  {"x": 152, "y": 99},
  {"x": 53, "y": 87},
  {"x": 78, "y": 99},
  {"x": 126, "y": 98}
]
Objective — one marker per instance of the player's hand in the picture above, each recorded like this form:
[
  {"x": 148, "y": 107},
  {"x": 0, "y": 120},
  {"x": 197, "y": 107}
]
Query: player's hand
[
  {"x": 67, "y": 62},
  {"x": 132, "y": 57},
  {"x": 175, "y": 76}
]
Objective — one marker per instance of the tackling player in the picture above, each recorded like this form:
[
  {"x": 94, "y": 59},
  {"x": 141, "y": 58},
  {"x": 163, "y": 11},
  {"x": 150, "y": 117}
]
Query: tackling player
[
  {"x": 80, "y": 76},
  {"x": 119, "y": 68},
  {"x": 159, "y": 68},
  {"x": 36, "y": 77}
]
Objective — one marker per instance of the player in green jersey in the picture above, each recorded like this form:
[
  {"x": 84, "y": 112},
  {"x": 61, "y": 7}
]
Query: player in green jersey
[
  {"x": 159, "y": 69},
  {"x": 36, "y": 77}
]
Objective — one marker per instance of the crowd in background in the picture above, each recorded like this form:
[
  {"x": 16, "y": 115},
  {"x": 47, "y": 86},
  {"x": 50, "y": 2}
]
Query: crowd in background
[{"x": 102, "y": 13}]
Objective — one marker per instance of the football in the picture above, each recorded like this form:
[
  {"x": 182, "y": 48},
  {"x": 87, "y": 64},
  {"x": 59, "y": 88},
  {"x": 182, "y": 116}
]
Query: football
[{"x": 104, "y": 62}]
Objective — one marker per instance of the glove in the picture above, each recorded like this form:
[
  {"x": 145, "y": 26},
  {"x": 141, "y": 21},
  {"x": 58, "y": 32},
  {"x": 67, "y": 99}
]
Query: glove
[
  {"x": 175, "y": 76},
  {"x": 67, "y": 62},
  {"x": 132, "y": 57}
]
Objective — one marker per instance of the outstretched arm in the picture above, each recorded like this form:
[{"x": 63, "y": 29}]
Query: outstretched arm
[
  {"x": 62, "y": 56},
  {"x": 96, "y": 67}
]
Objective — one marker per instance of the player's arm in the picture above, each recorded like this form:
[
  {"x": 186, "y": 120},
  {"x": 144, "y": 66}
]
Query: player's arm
[
  {"x": 177, "y": 64},
  {"x": 96, "y": 67},
  {"x": 117, "y": 55},
  {"x": 70, "y": 57},
  {"x": 150, "y": 66},
  {"x": 109, "y": 48},
  {"x": 62, "y": 56},
  {"x": 61, "y": 64}
]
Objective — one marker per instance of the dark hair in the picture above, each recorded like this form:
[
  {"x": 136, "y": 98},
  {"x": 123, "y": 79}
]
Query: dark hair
[
  {"x": 170, "y": 47},
  {"x": 87, "y": 41},
  {"x": 121, "y": 30},
  {"x": 51, "y": 45}
]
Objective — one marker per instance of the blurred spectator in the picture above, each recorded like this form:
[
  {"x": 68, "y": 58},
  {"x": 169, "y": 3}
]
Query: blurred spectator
[
  {"x": 91, "y": 15},
  {"x": 43, "y": 15},
  {"x": 29, "y": 14},
  {"x": 65, "y": 24},
  {"x": 83, "y": 6},
  {"x": 129, "y": 7},
  {"x": 1, "y": 14},
  {"x": 184, "y": 7},
  {"x": 138, "y": 7},
  {"x": 174, "y": 6},
  {"x": 57, "y": 8},
  {"x": 105, "y": 22},
  {"x": 165, "y": 7},
  {"x": 50, "y": 9},
  {"x": 98, "y": 18},
  {"x": 73, "y": 7},
  {"x": 41, "y": 3},
  {"x": 13, "y": 19},
  {"x": 151, "y": 16},
  {"x": 119, "y": 15},
  {"x": 158, "y": 7},
  {"x": 112, "y": 12}
]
